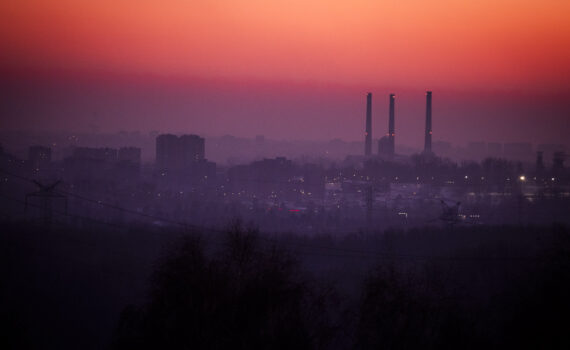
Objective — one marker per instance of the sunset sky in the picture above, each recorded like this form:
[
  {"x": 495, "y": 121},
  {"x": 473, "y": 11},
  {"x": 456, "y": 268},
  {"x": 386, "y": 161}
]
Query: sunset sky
[{"x": 499, "y": 69}]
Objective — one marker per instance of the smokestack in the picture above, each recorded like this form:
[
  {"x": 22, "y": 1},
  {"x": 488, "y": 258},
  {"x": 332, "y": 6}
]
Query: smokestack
[
  {"x": 368, "y": 134},
  {"x": 391, "y": 125},
  {"x": 427, "y": 145}
]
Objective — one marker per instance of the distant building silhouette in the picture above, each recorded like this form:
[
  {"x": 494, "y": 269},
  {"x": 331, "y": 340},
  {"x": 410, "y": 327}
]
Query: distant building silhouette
[
  {"x": 167, "y": 155},
  {"x": 130, "y": 155},
  {"x": 368, "y": 133},
  {"x": 267, "y": 176},
  {"x": 39, "y": 157},
  {"x": 129, "y": 161},
  {"x": 192, "y": 148},
  {"x": 476, "y": 150},
  {"x": 558, "y": 163},
  {"x": 386, "y": 145},
  {"x": 427, "y": 144},
  {"x": 384, "y": 148},
  {"x": 95, "y": 168},
  {"x": 174, "y": 152},
  {"x": 95, "y": 154},
  {"x": 180, "y": 161},
  {"x": 539, "y": 163},
  {"x": 495, "y": 149},
  {"x": 549, "y": 149},
  {"x": 443, "y": 148},
  {"x": 518, "y": 150}
]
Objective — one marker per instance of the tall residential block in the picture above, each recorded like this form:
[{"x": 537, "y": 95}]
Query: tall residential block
[{"x": 174, "y": 152}]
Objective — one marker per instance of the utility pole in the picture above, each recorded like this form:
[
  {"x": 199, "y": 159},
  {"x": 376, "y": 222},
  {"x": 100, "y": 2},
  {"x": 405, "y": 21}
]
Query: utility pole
[
  {"x": 369, "y": 205},
  {"x": 47, "y": 195}
]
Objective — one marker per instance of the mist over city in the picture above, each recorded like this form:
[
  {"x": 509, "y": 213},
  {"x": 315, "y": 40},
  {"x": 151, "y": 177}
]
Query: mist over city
[{"x": 316, "y": 175}]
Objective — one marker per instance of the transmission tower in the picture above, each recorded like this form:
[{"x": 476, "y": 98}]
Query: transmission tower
[
  {"x": 46, "y": 194},
  {"x": 369, "y": 197}
]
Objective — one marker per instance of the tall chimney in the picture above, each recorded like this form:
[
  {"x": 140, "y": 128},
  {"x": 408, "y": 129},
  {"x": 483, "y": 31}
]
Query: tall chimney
[
  {"x": 391, "y": 125},
  {"x": 368, "y": 134},
  {"x": 427, "y": 145}
]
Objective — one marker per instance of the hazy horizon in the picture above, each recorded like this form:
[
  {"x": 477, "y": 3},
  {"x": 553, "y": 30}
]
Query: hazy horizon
[
  {"x": 295, "y": 70},
  {"x": 293, "y": 111}
]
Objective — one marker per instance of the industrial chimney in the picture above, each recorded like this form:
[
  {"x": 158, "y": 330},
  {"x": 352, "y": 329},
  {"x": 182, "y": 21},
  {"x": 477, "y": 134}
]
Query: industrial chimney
[
  {"x": 368, "y": 134},
  {"x": 427, "y": 145},
  {"x": 391, "y": 126}
]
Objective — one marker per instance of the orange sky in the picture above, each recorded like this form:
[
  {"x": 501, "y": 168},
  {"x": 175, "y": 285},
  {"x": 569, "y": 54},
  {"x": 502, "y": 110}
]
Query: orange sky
[{"x": 496, "y": 44}]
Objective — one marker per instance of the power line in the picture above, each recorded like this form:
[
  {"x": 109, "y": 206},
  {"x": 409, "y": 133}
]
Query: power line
[
  {"x": 355, "y": 252},
  {"x": 109, "y": 205},
  {"x": 340, "y": 252},
  {"x": 75, "y": 216}
]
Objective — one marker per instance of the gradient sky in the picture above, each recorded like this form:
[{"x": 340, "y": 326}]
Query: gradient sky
[{"x": 499, "y": 69}]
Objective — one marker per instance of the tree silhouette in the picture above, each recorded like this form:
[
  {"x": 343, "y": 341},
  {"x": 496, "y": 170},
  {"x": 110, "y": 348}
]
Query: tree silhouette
[{"x": 247, "y": 297}]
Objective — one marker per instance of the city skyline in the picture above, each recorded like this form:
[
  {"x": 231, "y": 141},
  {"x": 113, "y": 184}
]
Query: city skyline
[
  {"x": 249, "y": 68},
  {"x": 294, "y": 112},
  {"x": 284, "y": 174}
]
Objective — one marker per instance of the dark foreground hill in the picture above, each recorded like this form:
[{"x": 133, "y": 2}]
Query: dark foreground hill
[{"x": 462, "y": 287}]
